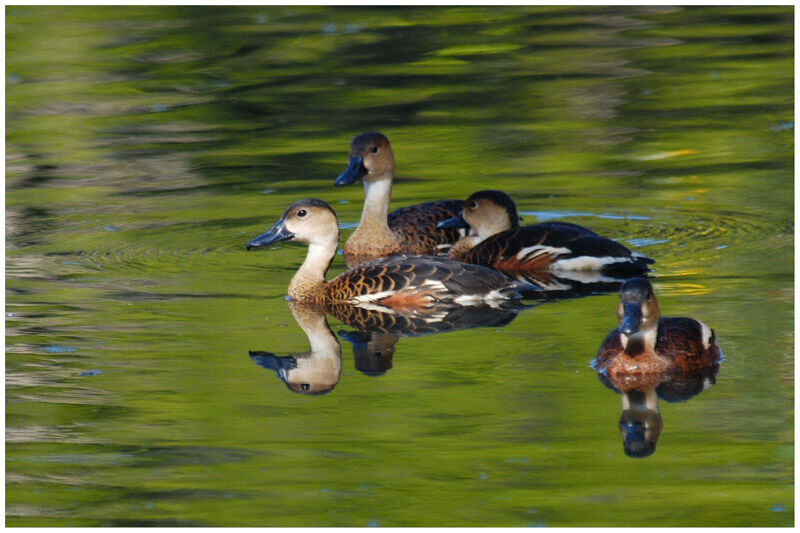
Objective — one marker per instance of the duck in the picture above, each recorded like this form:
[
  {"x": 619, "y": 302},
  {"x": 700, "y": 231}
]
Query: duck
[
  {"x": 409, "y": 230},
  {"x": 402, "y": 283},
  {"x": 540, "y": 253},
  {"x": 645, "y": 343}
]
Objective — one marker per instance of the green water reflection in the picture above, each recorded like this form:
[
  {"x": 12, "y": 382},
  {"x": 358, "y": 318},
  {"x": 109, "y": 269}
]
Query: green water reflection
[{"x": 145, "y": 145}]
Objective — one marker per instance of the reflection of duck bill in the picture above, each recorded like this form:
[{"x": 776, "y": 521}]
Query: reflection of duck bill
[{"x": 280, "y": 364}]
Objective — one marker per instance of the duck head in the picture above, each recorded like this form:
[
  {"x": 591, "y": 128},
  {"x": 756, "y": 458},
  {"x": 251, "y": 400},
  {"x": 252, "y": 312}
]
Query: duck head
[
  {"x": 486, "y": 213},
  {"x": 310, "y": 220},
  {"x": 370, "y": 159},
  {"x": 637, "y": 314}
]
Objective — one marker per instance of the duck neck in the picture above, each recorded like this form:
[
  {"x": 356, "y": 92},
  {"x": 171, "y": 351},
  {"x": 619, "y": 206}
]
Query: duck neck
[
  {"x": 376, "y": 203},
  {"x": 639, "y": 342},
  {"x": 308, "y": 283}
]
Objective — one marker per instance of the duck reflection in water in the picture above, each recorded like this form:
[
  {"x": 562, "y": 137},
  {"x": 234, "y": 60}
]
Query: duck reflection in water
[
  {"x": 315, "y": 371},
  {"x": 379, "y": 330},
  {"x": 372, "y": 351},
  {"x": 640, "y": 423},
  {"x": 649, "y": 356}
]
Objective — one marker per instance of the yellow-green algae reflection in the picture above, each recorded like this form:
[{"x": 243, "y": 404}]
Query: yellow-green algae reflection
[{"x": 146, "y": 145}]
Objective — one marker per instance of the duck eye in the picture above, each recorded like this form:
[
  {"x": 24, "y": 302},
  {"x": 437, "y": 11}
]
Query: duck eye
[
  {"x": 302, "y": 213},
  {"x": 305, "y": 386},
  {"x": 473, "y": 204},
  {"x": 374, "y": 149}
]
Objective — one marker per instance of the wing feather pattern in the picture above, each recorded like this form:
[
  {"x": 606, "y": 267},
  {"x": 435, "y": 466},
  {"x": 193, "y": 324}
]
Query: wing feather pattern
[
  {"x": 416, "y": 224},
  {"x": 415, "y": 277}
]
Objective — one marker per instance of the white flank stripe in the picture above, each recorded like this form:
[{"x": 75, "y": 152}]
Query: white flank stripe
[
  {"x": 367, "y": 298},
  {"x": 706, "y": 332},
  {"x": 586, "y": 263},
  {"x": 434, "y": 284}
]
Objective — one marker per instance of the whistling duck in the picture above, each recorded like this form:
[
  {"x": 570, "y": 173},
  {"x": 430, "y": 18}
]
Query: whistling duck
[
  {"x": 409, "y": 230},
  {"x": 316, "y": 371},
  {"x": 537, "y": 252},
  {"x": 404, "y": 283},
  {"x": 646, "y": 343}
]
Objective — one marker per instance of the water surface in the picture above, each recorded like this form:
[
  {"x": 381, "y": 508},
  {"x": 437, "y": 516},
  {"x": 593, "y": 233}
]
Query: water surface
[{"x": 145, "y": 146}]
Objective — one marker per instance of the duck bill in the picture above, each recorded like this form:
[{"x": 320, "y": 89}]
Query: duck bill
[
  {"x": 631, "y": 319},
  {"x": 276, "y": 233},
  {"x": 455, "y": 222},
  {"x": 355, "y": 170}
]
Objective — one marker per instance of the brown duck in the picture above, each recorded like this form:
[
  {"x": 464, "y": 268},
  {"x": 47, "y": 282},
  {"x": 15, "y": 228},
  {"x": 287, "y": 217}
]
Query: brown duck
[
  {"x": 543, "y": 254},
  {"x": 646, "y": 343},
  {"x": 404, "y": 283},
  {"x": 409, "y": 230}
]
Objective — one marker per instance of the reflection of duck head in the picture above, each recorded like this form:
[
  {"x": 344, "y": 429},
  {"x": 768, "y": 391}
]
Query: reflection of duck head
[
  {"x": 372, "y": 351},
  {"x": 315, "y": 371},
  {"x": 640, "y": 423}
]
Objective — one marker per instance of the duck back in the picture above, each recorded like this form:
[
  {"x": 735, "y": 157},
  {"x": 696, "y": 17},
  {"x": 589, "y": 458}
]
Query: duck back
[{"x": 406, "y": 282}]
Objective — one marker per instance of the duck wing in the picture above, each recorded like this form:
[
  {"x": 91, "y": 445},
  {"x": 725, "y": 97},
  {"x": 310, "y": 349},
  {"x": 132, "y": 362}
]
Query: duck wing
[
  {"x": 681, "y": 339},
  {"x": 416, "y": 224},
  {"x": 411, "y": 281}
]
